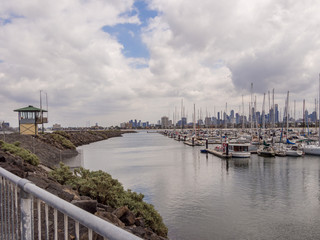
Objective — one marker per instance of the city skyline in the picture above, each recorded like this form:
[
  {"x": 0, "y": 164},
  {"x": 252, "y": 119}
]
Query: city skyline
[
  {"x": 201, "y": 114},
  {"x": 108, "y": 61}
]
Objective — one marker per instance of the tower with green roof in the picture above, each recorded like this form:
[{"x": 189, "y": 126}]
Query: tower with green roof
[{"x": 29, "y": 118}]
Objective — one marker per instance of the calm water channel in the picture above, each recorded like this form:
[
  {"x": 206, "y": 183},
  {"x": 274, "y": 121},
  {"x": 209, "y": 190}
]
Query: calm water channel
[{"x": 201, "y": 196}]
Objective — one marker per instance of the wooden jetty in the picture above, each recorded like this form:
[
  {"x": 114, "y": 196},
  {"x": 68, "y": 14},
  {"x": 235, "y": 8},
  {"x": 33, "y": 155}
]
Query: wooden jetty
[{"x": 219, "y": 153}]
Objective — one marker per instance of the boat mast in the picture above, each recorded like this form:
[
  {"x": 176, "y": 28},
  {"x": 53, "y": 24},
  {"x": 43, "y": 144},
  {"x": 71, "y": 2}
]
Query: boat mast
[
  {"x": 269, "y": 119},
  {"x": 315, "y": 110},
  {"x": 263, "y": 112},
  {"x": 273, "y": 110},
  {"x": 287, "y": 113},
  {"x": 225, "y": 117},
  {"x": 242, "y": 113},
  {"x": 194, "y": 118},
  {"x": 294, "y": 112},
  {"x": 214, "y": 114},
  {"x": 304, "y": 116},
  {"x": 255, "y": 111},
  {"x": 319, "y": 112},
  {"x": 251, "y": 106},
  {"x": 181, "y": 114},
  {"x": 174, "y": 118}
]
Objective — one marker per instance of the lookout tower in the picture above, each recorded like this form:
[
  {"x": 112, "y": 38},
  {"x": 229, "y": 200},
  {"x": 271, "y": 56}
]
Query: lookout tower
[{"x": 29, "y": 118}]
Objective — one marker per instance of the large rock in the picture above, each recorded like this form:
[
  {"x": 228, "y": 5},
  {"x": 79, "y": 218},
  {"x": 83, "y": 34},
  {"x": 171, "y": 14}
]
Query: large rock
[
  {"x": 2, "y": 159},
  {"x": 106, "y": 207},
  {"x": 139, "y": 231},
  {"x": 13, "y": 169},
  {"x": 87, "y": 205},
  {"x": 75, "y": 194},
  {"x": 140, "y": 222},
  {"x": 85, "y": 198},
  {"x": 110, "y": 217},
  {"x": 119, "y": 212},
  {"x": 128, "y": 218},
  {"x": 58, "y": 190},
  {"x": 125, "y": 215}
]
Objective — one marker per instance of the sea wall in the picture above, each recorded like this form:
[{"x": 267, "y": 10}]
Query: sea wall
[
  {"x": 52, "y": 148},
  {"x": 49, "y": 148}
]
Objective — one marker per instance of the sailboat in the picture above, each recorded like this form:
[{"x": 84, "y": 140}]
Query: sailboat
[{"x": 314, "y": 149}]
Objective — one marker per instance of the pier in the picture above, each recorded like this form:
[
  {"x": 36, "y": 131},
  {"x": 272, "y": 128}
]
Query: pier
[{"x": 219, "y": 154}]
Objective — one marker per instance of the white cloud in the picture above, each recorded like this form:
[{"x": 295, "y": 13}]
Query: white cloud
[{"x": 207, "y": 53}]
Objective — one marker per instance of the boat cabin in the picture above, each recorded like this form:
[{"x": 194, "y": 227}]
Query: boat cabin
[{"x": 239, "y": 147}]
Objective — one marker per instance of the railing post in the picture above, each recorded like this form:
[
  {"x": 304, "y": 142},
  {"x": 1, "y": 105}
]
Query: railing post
[{"x": 26, "y": 215}]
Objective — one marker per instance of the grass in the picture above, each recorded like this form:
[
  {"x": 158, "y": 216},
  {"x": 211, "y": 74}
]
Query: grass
[
  {"x": 63, "y": 140},
  {"x": 16, "y": 150}
]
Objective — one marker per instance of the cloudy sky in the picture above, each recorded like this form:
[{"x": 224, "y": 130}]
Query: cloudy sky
[{"x": 109, "y": 61}]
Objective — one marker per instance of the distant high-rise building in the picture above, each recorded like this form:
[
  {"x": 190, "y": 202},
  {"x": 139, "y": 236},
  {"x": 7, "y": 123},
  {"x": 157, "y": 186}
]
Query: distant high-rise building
[
  {"x": 164, "y": 122},
  {"x": 208, "y": 121},
  {"x": 238, "y": 118},
  {"x": 184, "y": 121}
]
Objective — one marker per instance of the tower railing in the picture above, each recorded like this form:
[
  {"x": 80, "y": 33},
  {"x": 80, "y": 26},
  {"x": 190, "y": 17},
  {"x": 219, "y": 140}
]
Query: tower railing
[{"x": 29, "y": 212}]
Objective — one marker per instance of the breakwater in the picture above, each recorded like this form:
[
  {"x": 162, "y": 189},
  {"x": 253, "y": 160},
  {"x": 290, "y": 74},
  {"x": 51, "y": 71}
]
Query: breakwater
[
  {"x": 49, "y": 148},
  {"x": 52, "y": 148}
]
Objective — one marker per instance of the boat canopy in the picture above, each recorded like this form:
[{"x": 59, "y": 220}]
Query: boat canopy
[{"x": 289, "y": 142}]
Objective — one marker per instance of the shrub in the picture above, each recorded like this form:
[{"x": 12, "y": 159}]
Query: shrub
[
  {"x": 63, "y": 141},
  {"x": 101, "y": 186},
  {"x": 63, "y": 174},
  {"x": 63, "y": 133},
  {"x": 25, "y": 154}
]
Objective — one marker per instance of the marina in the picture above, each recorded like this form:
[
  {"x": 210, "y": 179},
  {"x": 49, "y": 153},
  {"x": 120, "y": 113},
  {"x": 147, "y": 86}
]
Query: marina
[{"x": 202, "y": 196}]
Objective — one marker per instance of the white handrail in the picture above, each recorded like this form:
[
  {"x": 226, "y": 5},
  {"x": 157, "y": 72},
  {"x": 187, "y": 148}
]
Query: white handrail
[{"x": 85, "y": 218}]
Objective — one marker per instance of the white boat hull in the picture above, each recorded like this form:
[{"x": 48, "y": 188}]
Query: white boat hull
[
  {"x": 312, "y": 150},
  {"x": 293, "y": 153},
  {"x": 240, "y": 154}
]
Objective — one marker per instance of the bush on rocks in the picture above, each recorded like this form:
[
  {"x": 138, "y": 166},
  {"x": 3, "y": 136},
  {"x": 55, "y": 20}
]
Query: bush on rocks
[
  {"x": 102, "y": 187},
  {"x": 63, "y": 141},
  {"x": 25, "y": 154}
]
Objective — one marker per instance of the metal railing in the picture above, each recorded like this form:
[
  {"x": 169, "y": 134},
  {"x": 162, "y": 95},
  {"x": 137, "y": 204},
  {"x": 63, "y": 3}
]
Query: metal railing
[{"x": 21, "y": 200}]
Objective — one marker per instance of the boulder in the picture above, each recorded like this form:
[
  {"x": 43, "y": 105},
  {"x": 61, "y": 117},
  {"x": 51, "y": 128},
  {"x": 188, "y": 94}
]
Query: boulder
[
  {"x": 151, "y": 235},
  {"x": 139, "y": 231},
  {"x": 119, "y": 212},
  {"x": 75, "y": 194},
  {"x": 40, "y": 182},
  {"x": 128, "y": 218},
  {"x": 105, "y": 207},
  {"x": 125, "y": 215},
  {"x": 2, "y": 159},
  {"x": 58, "y": 190},
  {"x": 139, "y": 222},
  {"x": 13, "y": 169},
  {"x": 85, "y": 198},
  {"x": 87, "y": 205},
  {"x": 110, "y": 218}
]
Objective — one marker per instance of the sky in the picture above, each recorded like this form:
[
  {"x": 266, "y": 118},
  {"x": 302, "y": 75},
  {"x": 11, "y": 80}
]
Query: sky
[{"x": 108, "y": 62}]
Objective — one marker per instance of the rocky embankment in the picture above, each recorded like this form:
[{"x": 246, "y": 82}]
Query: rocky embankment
[
  {"x": 49, "y": 149},
  {"x": 52, "y": 148}
]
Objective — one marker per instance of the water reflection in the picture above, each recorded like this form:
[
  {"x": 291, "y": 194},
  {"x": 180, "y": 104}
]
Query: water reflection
[{"x": 201, "y": 196}]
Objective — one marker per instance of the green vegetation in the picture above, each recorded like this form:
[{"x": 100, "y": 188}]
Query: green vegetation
[
  {"x": 63, "y": 133},
  {"x": 106, "y": 190},
  {"x": 16, "y": 150},
  {"x": 17, "y": 143},
  {"x": 63, "y": 140}
]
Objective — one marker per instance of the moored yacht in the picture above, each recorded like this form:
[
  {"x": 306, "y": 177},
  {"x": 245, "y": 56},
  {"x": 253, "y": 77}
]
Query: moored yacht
[
  {"x": 266, "y": 151},
  {"x": 294, "y": 151},
  {"x": 239, "y": 150}
]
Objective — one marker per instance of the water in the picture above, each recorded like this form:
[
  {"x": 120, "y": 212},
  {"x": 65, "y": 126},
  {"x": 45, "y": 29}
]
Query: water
[{"x": 201, "y": 196}]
